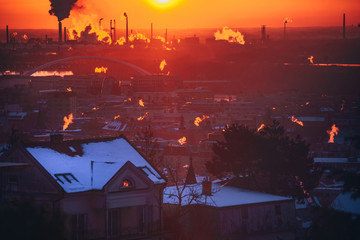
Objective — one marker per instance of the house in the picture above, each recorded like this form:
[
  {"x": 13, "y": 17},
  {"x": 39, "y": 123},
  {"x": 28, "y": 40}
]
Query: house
[
  {"x": 105, "y": 187},
  {"x": 215, "y": 211}
]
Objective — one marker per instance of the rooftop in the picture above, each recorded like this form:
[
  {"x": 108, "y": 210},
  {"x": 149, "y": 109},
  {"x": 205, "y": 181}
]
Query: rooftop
[{"x": 69, "y": 163}]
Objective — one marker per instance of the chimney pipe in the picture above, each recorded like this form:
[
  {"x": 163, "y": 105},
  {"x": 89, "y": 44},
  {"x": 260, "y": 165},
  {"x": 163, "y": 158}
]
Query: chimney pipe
[
  {"x": 111, "y": 27},
  {"x": 263, "y": 32},
  {"x": 114, "y": 30},
  {"x": 151, "y": 31},
  {"x": 60, "y": 32},
  {"x": 7, "y": 34},
  {"x": 127, "y": 28},
  {"x": 165, "y": 35},
  {"x": 206, "y": 188},
  {"x": 65, "y": 34},
  {"x": 344, "y": 26},
  {"x": 285, "y": 29}
]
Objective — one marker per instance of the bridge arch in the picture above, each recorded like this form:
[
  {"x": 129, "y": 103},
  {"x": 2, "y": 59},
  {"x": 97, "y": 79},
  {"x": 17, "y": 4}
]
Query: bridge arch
[{"x": 41, "y": 67}]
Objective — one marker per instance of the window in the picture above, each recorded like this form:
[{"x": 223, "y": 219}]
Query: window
[
  {"x": 277, "y": 210},
  {"x": 126, "y": 183},
  {"x": 114, "y": 223},
  {"x": 145, "y": 219},
  {"x": 12, "y": 180},
  {"x": 79, "y": 226},
  {"x": 65, "y": 177}
]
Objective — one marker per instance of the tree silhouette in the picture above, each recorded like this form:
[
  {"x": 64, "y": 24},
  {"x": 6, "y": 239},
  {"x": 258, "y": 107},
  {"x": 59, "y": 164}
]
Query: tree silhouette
[{"x": 265, "y": 160}]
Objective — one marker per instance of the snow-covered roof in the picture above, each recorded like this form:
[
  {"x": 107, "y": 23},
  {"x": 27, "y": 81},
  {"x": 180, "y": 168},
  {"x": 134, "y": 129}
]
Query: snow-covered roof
[
  {"x": 332, "y": 160},
  {"x": 345, "y": 203},
  {"x": 72, "y": 170},
  {"x": 222, "y": 196},
  {"x": 311, "y": 119}
]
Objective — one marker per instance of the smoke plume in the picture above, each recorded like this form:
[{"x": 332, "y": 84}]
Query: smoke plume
[{"x": 61, "y": 8}]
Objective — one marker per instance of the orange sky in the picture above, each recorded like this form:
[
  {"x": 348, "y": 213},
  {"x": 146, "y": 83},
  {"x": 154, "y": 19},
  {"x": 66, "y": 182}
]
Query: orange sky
[{"x": 188, "y": 13}]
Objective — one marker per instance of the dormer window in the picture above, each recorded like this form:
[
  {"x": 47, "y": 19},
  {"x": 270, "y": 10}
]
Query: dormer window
[{"x": 126, "y": 183}]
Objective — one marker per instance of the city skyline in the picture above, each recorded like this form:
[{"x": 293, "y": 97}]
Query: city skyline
[{"x": 185, "y": 14}]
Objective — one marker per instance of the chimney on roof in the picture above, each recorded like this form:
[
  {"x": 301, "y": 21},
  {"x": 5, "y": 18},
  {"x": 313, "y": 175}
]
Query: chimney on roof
[
  {"x": 56, "y": 138},
  {"x": 206, "y": 186},
  {"x": 190, "y": 177}
]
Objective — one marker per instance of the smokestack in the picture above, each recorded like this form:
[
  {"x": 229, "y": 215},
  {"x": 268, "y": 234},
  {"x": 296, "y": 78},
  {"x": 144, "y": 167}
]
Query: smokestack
[
  {"x": 114, "y": 30},
  {"x": 7, "y": 34},
  {"x": 263, "y": 32},
  {"x": 111, "y": 27},
  {"x": 60, "y": 32},
  {"x": 165, "y": 35},
  {"x": 151, "y": 31},
  {"x": 46, "y": 40},
  {"x": 285, "y": 29},
  {"x": 65, "y": 34},
  {"x": 100, "y": 22},
  {"x": 344, "y": 26},
  {"x": 127, "y": 28}
]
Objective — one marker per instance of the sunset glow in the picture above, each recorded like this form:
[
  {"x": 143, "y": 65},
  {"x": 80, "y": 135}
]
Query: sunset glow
[{"x": 31, "y": 14}]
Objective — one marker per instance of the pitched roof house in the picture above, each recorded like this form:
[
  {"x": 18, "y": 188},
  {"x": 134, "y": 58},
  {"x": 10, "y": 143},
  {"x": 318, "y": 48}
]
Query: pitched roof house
[
  {"x": 219, "y": 211},
  {"x": 106, "y": 187}
]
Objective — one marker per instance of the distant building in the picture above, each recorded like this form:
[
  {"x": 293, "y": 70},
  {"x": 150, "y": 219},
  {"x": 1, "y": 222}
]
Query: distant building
[
  {"x": 156, "y": 83},
  {"x": 226, "y": 212},
  {"x": 106, "y": 188},
  {"x": 59, "y": 105}
]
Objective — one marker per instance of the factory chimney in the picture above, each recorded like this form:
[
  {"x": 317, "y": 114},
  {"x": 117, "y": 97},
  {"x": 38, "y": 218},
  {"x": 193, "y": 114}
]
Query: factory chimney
[
  {"x": 165, "y": 35},
  {"x": 60, "y": 32},
  {"x": 111, "y": 28},
  {"x": 151, "y": 34},
  {"x": 114, "y": 30},
  {"x": 344, "y": 26},
  {"x": 127, "y": 28},
  {"x": 7, "y": 34},
  {"x": 64, "y": 34},
  {"x": 263, "y": 32}
]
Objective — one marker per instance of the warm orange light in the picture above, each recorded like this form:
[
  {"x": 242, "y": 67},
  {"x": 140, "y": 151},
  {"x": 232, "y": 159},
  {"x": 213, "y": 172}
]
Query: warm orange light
[
  {"x": 141, "y": 103},
  {"x": 334, "y": 131},
  {"x": 143, "y": 117},
  {"x": 101, "y": 69},
  {"x": 182, "y": 140},
  {"x": 126, "y": 183},
  {"x": 311, "y": 59},
  {"x": 261, "y": 127},
  {"x": 164, "y": 4},
  {"x": 295, "y": 120},
  {"x": 198, "y": 120},
  {"x": 67, "y": 121},
  {"x": 69, "y": 89},
  {"x": 116, "y": 117},
  {"x": 229, "y": 35},
  {"x": 162, "y": 65}
]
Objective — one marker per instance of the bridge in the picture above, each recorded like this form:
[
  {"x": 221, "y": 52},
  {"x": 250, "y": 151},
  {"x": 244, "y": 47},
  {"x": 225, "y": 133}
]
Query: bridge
[{"x": 41, "y": 67}]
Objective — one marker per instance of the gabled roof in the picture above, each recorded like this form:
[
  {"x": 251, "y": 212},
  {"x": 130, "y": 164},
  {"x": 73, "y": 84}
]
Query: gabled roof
[{"x": 74, "y": 163}]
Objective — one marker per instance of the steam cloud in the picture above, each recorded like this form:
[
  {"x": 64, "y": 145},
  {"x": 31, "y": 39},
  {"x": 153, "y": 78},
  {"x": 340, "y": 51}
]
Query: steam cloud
[{"x": 62, "y": 8}]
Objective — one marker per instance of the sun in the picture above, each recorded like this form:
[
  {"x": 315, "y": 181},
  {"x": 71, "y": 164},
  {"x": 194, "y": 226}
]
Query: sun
[{"x": 164, "y": 4}]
